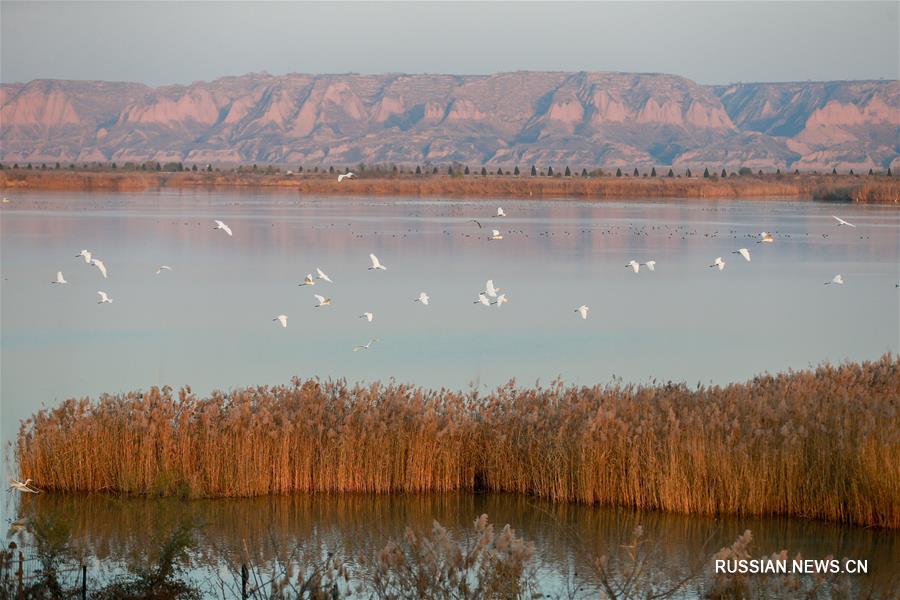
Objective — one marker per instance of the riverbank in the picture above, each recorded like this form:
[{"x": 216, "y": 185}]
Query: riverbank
[
  {"x": 819, "y": 443},
  {"x": 876, "y": 189}
]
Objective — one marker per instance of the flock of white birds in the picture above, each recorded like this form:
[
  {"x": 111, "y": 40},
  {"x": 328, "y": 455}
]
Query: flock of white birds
[{"x": 490, "y": 296}]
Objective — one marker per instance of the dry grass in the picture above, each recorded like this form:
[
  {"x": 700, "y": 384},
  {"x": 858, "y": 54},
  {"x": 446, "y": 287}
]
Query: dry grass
[
  {"x": 822, "y": 443},
  {"x": 863, "y": 189}
]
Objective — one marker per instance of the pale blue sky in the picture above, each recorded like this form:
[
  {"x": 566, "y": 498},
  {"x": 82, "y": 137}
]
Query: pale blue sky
[{"x": 710, "y": 42}]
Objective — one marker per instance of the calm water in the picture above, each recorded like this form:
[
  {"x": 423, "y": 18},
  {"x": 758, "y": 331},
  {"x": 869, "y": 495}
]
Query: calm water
[{"x": 208, "y": 324}]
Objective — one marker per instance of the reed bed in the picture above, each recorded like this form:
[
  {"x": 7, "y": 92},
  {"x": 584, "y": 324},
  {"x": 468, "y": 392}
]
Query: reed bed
[
  {"x": 821, "y": 443},
  {"x": 843, "y": 188}
]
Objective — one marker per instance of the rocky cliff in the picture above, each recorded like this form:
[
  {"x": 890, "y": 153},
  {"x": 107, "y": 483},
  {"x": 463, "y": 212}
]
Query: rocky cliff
[{"x": 578, "y": 119}]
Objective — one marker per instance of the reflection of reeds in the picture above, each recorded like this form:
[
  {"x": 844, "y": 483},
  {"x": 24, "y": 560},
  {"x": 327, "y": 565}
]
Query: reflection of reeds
[
  {"x": 878, "y": 189},
  {"x": 823, "y": 443}
]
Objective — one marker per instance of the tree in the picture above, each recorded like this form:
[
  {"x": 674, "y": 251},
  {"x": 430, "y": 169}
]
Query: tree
[
  {"x": 618, "y": 172},
  {"x": 778, "y": 171},
  {"x": 744, "y": 171},
  {"x": 57, "y": 166},
  {"x": 671, "y": 173},
  {"x": 300, "y": 169},
  {"x": 584, "y": 173},
  {"x": 194, "y": 167},
  {"x": 484, "y": 171},
  {"x": 533, "y": 171},
  {"x": 568, "y": 172},
  {"x": 43, "y": 166},
  {"x": 499, "y": 171},
  {"x": 706, "y": 173},
  {"x": 418, "y": 170},
  {"x": 209, "y": 168},
  {"x": 653, "y": 172},
  {"x": 450, "y": 170},
  {"x": 760, "y": 172},
  {"x": 796, "y": 171},
  {"x": 549, "y": 171},
  {"x": 394, "y": 170},
  {"x": 687, "y": 173},
  {"x": 158, "y": 167},
  {"x": 330, "y": 169},
  {"x": 870, "y": 172},
  {"x": 889, "y": 172},
  {"x": 114, "y": 166},
  {"x": 724, "y": 174},
  {"x": 29, "y": 166},
  {"x": 834, "y": 171},
  {"x": 516, "y": 171},
  {"x": 851, "y": 171},
  {"x": 71, "y": 166},
  {"x": 466, "y": 172},
  {"x": 16, "y": 166},
  {"x": 434, "y": 171}
]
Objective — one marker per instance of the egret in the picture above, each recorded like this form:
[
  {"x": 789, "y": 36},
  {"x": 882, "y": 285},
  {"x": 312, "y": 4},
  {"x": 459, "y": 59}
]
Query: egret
[
  {"x": 583, "y": 310},
  {"x": 222, "y": 226},
  {"x": 323, "y": 301},
  {"x": 500, "y": 301},
  {"x": 633, "y": 265},
  {"x": 22, "y": 487},
  {"x": 365, "y": 346},
  {"x": 281, "y": 319},
  {"x": 99, "y": 264},
  {"x": 482, "y": 299},
  {"x": 163, "y": 268},
  {"x": 489, "y": 288},
  {"x": 718, "y": 263},
  {"x": 104, "y": 298},
  {"x": 743, "y": 252},
  {"x": 86, "y": 255},
  {"x": 320, "y": 274},
  {"x": 423, "y": 298},
  {"x": 376, "y": 264},
  {"x": 766, "y": 237},
  {"x": 308, "y": 281},
  {"x": 347, "y": 175},
  {"x": 837, "y": 280},
  {"x": 500, "y": 212},
  {"x": 367, "y": 316},
  {"x": 840, "y": 221},
  {"x": 59, "y": 278},
  {"x": 650, "y": 264},
  {"x": 495, "y": 235}
]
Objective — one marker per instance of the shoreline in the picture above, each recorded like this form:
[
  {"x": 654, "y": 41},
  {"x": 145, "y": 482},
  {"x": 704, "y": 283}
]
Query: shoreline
[{"x": 877, "y": 189}]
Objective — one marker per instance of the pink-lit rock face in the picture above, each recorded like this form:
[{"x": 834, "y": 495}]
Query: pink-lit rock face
[{"x": 578, "y": 119}]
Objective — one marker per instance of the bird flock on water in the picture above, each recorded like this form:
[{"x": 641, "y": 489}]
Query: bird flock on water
[{"x": 490, "y": 296}]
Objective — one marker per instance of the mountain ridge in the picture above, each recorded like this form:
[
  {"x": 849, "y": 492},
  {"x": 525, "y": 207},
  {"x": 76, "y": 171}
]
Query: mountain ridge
[{"x": 582, "y": 118}]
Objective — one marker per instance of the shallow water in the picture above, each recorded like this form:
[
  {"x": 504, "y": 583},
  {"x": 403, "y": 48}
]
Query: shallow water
[
  {"x": 208, "y": 323},
  {"x": 568, "y": 538}
]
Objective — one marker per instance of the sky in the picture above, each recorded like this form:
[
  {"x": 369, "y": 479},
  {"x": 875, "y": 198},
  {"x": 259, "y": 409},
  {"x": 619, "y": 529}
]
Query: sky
[{"x": 160, "y": 43}]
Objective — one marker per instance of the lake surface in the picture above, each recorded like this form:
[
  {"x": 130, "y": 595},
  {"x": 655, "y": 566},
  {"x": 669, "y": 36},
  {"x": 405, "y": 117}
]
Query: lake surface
[{"x": 208, "y": 324}]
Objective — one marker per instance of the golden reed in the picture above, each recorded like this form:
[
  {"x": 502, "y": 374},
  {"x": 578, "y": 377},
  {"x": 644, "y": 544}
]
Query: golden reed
[{"x": 821, "y": 443}]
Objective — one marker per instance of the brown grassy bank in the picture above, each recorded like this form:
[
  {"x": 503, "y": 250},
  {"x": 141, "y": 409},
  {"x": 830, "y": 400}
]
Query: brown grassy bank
[
  {"x": 822, "y": 443},
  {"x": 874, "y": 189}
]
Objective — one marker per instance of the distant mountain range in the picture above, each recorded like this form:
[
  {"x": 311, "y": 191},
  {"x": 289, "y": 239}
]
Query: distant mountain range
[{"x": 546, "y": 118}]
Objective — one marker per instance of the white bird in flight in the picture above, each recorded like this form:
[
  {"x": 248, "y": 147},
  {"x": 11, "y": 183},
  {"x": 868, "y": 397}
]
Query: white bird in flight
[
  {"x": 25, "y": 487},
  {"x": 365, "y": 346},
  {"x": 423, "y": 298},
  {"x": 718, "y": 263},
  {"x": 482, "y": 299},
  {"x": 320, "y": 274},
  {"x": 583, "y": 310},
  {"x": 104, "y": 298},
  {"x": 99, "y": 264},
  {"x": 59, "y": 278},
  {"x": 344, "y": 176},
  {"x": 650, "y": 264},
  {"x": 222, "y": 226},
  {"x": 765, "y": 236},
  {"x": 633, "y": 265},
  {"x": 323, "y": 301},
  {"x": 489, "y": 289},
  {"x": 163, "y": 268},
  {"x": 281, "y": 319},
  {"x": 500, "y": 301},
  {"x": 837, "y": 280},
  {"x": 495, "y": 235},
  {"x": 743, "y": 252},
  {"x": 308, "y": 281},
  {"x": 376, "y": 264},
  {"x": 842, "y": 222},
  {"x": 86, "y": 255},
  {"x": 500, "y": 212},
  {"x": 367, "y": 316}
]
